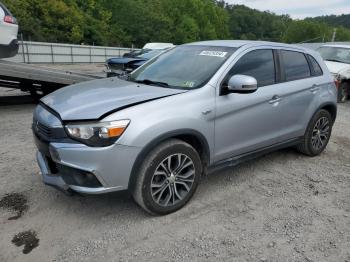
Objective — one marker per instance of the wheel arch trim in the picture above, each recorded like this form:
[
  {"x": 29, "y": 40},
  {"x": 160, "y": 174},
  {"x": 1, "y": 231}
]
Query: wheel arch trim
[
  {"x": 172, "y": 134},
  {"x": 331, "y": 106}
]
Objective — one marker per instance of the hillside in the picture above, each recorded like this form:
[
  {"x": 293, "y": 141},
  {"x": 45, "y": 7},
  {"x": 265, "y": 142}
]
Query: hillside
[
  {"x": 334, "y": 20},
  {"x": 136, "y": 22}
]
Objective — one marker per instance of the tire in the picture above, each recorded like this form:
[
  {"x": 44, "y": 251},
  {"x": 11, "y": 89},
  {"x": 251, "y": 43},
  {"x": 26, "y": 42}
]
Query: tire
[
  {"x": 343, "y": 93},
  {"x": 174, "y": 183},
  {"x": 311, "y": 145}
]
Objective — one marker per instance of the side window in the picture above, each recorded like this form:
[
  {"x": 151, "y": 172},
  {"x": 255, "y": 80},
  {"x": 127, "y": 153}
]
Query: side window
[
  {"x": 5, "y": 10},
  {"x": 315, "y": 67},
  {"x": 258, "y": 64},
  {"x": 2, "y": 13},
  {"x": 295, "y": 65}
]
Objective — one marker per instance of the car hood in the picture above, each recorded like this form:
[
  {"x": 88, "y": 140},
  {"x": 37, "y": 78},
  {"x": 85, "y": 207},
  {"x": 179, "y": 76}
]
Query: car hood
[
  {"x": 124, "y": 60},
  {"x": 95, "y": 99},
  {"x": 338, "y": 68}
]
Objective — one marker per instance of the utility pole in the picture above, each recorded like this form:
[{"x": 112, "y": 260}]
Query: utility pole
[{"x": 334, "y": 34}]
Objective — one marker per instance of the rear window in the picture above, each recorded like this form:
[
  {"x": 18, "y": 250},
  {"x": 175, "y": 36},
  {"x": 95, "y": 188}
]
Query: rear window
[
  {"x": 295, "y": 65},
  {"x": 315, "y": 67}
]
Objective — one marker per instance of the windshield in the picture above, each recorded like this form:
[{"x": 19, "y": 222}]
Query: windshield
[
  {"x": 336, "y": 54},
  {"x": 185, "y": 67}
]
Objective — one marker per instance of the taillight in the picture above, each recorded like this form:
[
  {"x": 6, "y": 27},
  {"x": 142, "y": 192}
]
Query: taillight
[{"x": 9, "y": 19}]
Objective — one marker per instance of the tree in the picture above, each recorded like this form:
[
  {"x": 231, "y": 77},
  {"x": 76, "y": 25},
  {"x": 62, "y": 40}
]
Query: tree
[
  {"x": 306, "y": 31},
  {"x": 136, "y": 22}
]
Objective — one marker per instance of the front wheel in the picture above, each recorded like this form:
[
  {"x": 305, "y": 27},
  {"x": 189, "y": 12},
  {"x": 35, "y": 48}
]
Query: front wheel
[
  {"x": 317, "y": 134},
  {"x": 168, "y": 177}
]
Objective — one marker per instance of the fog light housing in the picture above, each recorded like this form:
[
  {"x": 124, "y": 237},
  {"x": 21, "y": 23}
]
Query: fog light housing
[{"x": 77, "y": 177}]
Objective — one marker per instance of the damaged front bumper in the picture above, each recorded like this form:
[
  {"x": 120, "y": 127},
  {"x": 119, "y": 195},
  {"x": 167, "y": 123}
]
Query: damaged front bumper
[{"x": 79, "y": 168}]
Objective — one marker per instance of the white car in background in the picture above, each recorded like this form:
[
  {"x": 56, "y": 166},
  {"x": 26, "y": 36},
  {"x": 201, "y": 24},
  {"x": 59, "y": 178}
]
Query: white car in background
[
  {"x": 8, "y": 33},
  {"x": 158, "y": 46},
  {"x": 148, "y": 48},
  {"x": 337, "y": 58}
]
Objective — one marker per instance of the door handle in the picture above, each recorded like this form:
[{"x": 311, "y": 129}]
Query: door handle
[
  {"x": 314, "y": 88},
  {"x": 275, "y": 99},
  {"x": 206, "y": 112}
]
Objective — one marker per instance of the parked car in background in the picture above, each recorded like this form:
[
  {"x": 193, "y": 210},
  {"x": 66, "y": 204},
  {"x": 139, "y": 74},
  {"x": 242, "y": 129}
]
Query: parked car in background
[
  {"x": 8, "y": 33},
  {"x": 124, "y": 65},
  {"x": 198, "y": 106},
  {"x": 147, "y": 48},
  {"x": 337, "y": 59}
]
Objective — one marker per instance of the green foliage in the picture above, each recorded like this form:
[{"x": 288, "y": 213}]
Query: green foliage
[
  {"x": 334, "y": 20},
  {"x": 307, "y": 31},
  {"x": 127, "y": 22},
  {"x": 343, "y": 34},
  {"x": 246, "y": 23}
]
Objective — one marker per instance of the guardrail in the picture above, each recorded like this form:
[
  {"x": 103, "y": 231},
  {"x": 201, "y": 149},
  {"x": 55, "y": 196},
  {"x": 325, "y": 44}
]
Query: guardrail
[{"x": 55, "y": 53}]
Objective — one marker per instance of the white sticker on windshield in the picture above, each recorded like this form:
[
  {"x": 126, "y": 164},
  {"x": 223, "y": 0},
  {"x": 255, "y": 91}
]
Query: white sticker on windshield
[
  {"x": 214, "y": 53},
  {"x": 189, "y": 84}
]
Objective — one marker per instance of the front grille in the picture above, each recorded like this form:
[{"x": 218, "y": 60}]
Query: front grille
[
  {"x": 44, "y": 130},
  {"x": 50, "y": 134}
]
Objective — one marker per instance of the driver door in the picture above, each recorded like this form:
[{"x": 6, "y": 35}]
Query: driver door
[{"x": 248, "y": 122}]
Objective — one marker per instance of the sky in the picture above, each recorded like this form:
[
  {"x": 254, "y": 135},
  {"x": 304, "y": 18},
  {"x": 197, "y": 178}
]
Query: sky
[{"x": 299, "y": 9}]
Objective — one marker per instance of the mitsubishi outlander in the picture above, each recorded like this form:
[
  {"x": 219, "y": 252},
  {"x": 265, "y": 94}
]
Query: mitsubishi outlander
[{"x": 194, "y": 107}]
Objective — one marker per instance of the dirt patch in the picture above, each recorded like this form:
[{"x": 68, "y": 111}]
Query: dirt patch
[
  {"x": 15, "y": 202},
  {"x": 28, "y": 239}
]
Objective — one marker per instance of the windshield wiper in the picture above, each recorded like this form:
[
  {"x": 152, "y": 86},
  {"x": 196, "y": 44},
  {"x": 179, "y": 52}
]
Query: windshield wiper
[{"x": 150, "y": 82}]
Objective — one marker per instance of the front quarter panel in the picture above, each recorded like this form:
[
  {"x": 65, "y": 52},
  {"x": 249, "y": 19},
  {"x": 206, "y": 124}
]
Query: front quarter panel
[{"x": 192, "y": 111}]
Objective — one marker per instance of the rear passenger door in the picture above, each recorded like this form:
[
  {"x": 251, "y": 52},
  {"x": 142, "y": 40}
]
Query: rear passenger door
[{"x": 297, "y": 89}]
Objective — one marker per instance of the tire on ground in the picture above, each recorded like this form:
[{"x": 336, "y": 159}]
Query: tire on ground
[
  {"x": 306, "y": 146},
  {"x": 142, "y": 190}
]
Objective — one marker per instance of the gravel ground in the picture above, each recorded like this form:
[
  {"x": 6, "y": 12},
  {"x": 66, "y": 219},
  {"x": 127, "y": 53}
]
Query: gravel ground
[{"x": 280, "y": 207}]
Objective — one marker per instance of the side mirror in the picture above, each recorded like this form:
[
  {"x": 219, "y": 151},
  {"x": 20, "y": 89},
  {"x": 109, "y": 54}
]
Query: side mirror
[{"x": 242, "y": 84}]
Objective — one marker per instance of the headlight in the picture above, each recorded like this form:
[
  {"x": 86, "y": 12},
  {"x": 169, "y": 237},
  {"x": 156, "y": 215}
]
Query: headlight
[{"x": 97, "y": 134}]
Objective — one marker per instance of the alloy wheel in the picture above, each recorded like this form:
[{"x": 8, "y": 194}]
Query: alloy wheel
[
  {"x": 320, "y": 133},
  {"x": 172, "y": 180}
]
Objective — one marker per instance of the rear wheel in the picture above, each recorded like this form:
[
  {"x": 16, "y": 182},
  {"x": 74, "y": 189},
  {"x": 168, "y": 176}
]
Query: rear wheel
[
  {"x": 343, "y": 92},
  {"x": 317, "y": 134},
  {"x": 168, "y": 177}
]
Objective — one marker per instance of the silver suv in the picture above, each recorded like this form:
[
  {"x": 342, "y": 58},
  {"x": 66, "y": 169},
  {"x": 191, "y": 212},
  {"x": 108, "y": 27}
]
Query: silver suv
[{"x": 196, "y": 107}]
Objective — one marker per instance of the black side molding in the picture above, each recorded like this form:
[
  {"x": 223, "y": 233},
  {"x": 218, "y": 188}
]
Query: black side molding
[{"x": 236, "y": 160}]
